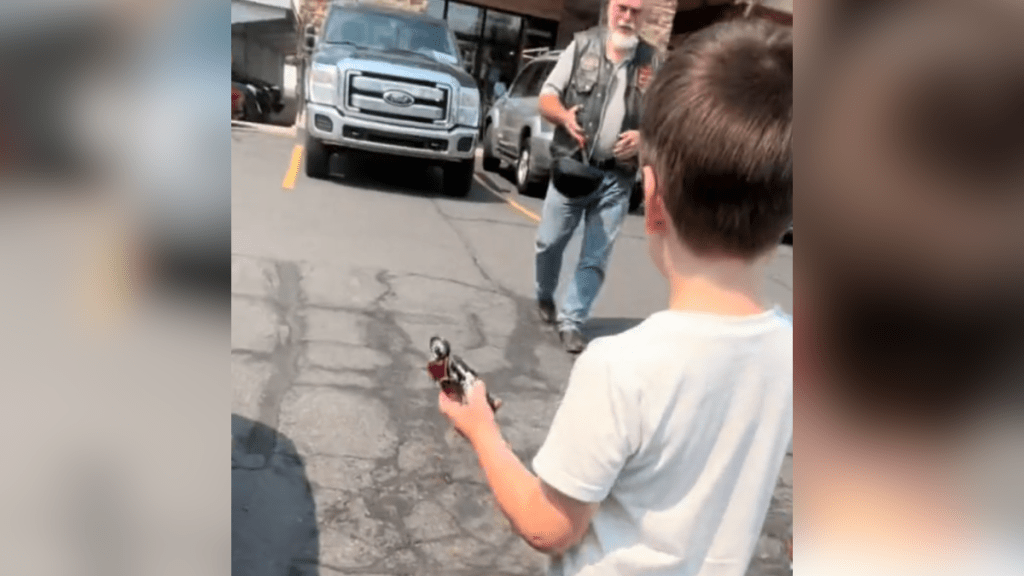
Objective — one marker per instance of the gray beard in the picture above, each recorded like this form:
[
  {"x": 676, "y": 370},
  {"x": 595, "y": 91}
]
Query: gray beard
[{"x": 623, "y": 42}]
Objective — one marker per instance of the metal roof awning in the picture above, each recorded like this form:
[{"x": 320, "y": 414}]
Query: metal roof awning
[
  {"x": 278, "y": 33},
  {"x": 244, "y": 11}
]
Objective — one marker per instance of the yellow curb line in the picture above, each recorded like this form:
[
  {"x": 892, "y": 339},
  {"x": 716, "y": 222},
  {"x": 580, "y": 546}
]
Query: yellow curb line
[
  {"x": 528, "y": 214},
  {"x": 293, "y": 172},
  {"x": 293, "y": 168},
  {"x": 509, "y": 201}
]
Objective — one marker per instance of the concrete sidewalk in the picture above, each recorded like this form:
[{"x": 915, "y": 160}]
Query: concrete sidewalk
[{"x": 332, "y": 358}]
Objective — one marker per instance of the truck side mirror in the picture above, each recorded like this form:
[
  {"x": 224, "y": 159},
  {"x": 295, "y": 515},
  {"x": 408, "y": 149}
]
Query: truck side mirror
[{"x": 500, "y": 89}]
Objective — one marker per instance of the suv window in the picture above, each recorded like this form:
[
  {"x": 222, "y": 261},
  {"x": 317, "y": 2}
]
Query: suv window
[
  {"x": 522, "y": 84},
  {"x": 536, "y": 83}
]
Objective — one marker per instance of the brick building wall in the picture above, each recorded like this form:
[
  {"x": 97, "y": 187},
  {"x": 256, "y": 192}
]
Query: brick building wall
[{"x": 657, "y": 27}]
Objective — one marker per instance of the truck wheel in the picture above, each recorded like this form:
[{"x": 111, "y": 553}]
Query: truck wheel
[
  {"x": 318, "y": 159},
  {"x": 491, "y": 162},
  {"x": 458, "y": 178}
]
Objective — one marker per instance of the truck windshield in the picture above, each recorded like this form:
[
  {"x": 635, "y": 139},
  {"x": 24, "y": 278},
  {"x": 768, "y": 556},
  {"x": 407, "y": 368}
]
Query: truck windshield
[{"x": 387, "y": 32}]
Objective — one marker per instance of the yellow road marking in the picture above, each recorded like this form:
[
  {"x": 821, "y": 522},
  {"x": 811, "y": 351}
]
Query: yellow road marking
[
  {"x": 293, "y": 172},
  {"x": 293, "y": 168},
  {"x": 526, "y": 212}
]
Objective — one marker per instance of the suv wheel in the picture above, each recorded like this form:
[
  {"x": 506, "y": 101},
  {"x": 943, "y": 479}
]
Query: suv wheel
[
  {"x": 526, "y": 181},
  {"x": 318, "y": 159},
  {"x": 458, "y": 178},
  {"x": 491, "y": 162}
]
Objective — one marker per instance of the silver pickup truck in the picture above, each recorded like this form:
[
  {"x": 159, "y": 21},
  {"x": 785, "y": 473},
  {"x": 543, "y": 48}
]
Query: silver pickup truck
[{"x": 392, "y": 82}]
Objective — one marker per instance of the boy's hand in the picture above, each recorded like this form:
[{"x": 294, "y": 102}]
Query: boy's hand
[
  {"x": 472, "y": 417},
  {"x": 628, "y": 145}
]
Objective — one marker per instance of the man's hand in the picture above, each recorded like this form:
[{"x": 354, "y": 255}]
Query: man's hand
[
  {"x": 628, "y": 146},
  {"x": 471, "y": 418},
  {"x": 644, "y": 78},
  {"x": 571, "y": 124}
]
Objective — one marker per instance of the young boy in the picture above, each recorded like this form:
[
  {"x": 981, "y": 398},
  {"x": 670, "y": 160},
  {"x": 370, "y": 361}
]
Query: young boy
[{"x": 665, "y": 451}]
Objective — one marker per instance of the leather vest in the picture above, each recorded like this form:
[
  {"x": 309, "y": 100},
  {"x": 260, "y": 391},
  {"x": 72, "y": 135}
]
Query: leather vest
[{"x": 591, "y": 84}]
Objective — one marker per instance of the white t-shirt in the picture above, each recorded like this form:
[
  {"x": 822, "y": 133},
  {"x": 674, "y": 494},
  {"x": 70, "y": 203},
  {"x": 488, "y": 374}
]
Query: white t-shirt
[{"x": 679, "y": 428}]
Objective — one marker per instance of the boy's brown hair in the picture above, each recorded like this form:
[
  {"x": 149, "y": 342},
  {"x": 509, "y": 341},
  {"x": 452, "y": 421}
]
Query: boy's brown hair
[{"x": 718, "y": 130}]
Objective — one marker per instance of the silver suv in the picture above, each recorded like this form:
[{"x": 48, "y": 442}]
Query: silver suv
[
  {"x": 391, "y": 82},
  {"x": 515, "y": 133}
]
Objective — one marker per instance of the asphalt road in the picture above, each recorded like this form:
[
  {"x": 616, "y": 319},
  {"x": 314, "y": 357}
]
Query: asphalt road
[{"x": 337, "y": 286}]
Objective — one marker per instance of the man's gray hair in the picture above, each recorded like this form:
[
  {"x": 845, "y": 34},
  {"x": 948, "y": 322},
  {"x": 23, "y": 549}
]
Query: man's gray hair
[{"x": 605, "y": 5}]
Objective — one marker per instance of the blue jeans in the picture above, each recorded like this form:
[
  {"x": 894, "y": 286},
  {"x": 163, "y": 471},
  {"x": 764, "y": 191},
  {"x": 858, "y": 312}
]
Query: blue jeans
[{"x": 603, "y": 213}]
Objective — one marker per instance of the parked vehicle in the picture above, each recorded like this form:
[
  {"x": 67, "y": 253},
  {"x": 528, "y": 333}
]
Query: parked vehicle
[
  {"x": 260, "y": 98},
  {"x": 237, "y": 101},
  {"x": 516, "y": 134},
  {"x": 391, "y": 82}
]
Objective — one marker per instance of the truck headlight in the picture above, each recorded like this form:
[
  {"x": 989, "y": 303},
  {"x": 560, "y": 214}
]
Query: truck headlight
[
  {"x": 323, "y": 84},
  {"x": 469, "y": 107}
]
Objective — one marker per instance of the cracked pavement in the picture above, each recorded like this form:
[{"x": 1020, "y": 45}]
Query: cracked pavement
[{"x": 336, "y": 289}]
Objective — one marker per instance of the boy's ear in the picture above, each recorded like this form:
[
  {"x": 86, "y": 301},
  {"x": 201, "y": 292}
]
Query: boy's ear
[{"x": 655, "y": 215}]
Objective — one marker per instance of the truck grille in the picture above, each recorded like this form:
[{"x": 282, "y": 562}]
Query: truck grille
[
  {"x": 404, "y": 140},
  {"x": 398, "y": 98}
]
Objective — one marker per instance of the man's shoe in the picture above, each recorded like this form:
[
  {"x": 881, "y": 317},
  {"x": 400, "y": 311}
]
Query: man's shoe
[
  {"x": 547, "y": 312},
  {"x": 572, "y": 341}
]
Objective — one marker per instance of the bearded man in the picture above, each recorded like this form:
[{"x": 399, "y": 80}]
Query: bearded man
[{"x": 592, "y": 97}]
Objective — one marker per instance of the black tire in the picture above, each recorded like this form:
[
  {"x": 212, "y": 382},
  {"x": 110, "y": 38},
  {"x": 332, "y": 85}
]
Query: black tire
[
  {"x": 526, "y": 180},
  {"x": 250, "y": 111},
  {"x": 491, "y": 162},
  {"x": 458, "y": 178},
  {"x": 318, "y": 159}
]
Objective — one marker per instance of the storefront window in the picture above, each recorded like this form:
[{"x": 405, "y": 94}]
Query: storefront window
[
  {"x": 500, "y": 49},
  {"x": 502, "y": 28},
  {"x": 465, "y": 20},
  {"x": 539, "y": 34},
  {"x": 491, "y": 42},
  {"x": 435, "y": 8},
  {"x": 467, "y": 23}
]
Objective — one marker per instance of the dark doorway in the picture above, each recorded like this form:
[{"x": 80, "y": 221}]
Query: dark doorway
[{"x": 689, "y": 21}]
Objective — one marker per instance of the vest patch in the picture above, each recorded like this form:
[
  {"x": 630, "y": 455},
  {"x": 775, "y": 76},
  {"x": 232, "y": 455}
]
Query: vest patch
[{"x": 644, "y": 77}]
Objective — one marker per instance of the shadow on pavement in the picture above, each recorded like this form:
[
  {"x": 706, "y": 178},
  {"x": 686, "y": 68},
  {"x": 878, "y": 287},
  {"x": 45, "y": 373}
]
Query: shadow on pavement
[
  {"x": 601, "y": 327},
  {"x": 397, "y": 176},
  {"x": 273, "y": 517}
]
